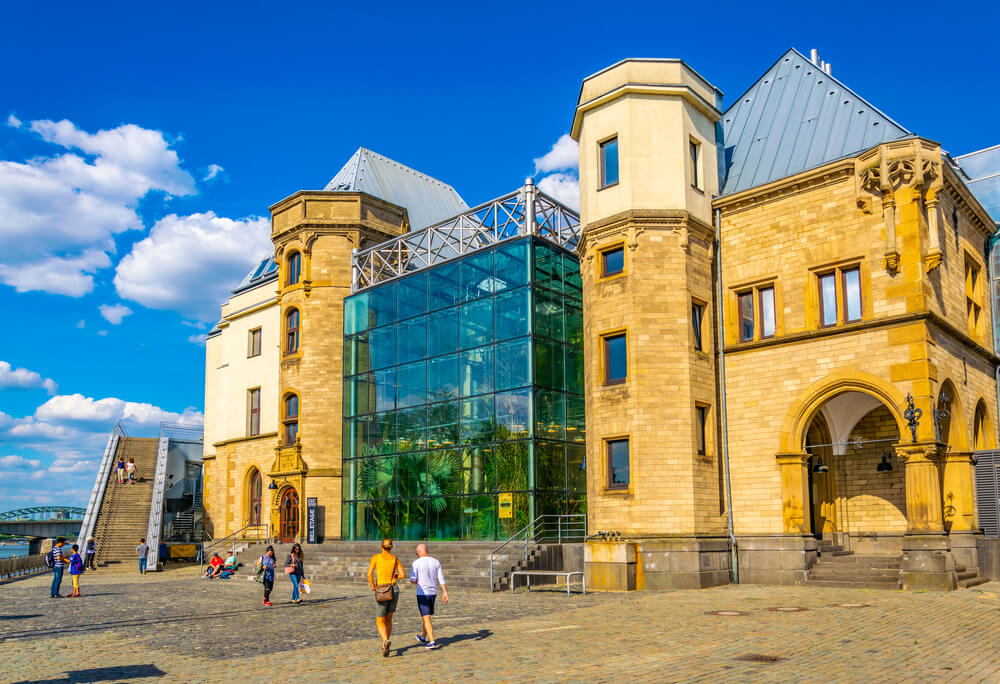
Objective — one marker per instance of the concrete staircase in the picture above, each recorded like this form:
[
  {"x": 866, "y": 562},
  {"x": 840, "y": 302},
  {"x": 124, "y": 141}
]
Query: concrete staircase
[
  {"x": 839, "y": 568},
  {"x": 465, "y": 564},
  {"x": 123, "y": 518}
]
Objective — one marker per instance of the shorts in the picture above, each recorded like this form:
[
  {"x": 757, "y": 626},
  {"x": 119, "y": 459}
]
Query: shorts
[
  {"x": 425, "y": 604},
  {"x": 383, "y": 609}
]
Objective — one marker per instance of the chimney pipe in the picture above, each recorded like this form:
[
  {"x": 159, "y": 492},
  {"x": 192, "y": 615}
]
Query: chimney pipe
[
  {"x": 814, "y": 56},
  {"x": 828, "y": 68}
]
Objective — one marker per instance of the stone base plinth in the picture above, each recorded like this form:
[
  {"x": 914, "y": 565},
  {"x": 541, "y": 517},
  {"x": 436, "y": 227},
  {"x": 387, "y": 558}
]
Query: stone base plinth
[
  {"x": 610, "y": 565},
  {"x": 927, "y": 563},
  {"x": 683, "y": 563},
  {"x": 963, "y": 548},
  {"x": 778, "y": 559}
]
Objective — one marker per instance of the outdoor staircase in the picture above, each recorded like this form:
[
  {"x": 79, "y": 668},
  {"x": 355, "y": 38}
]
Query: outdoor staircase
[
  {"x": 839, "y": 568},
  {"x": 123, "y": 518},
  {"x": 465, "y": 564}
]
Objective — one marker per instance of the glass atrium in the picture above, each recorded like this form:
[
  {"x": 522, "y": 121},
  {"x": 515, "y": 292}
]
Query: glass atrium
[{"x": 463, "y": 389}]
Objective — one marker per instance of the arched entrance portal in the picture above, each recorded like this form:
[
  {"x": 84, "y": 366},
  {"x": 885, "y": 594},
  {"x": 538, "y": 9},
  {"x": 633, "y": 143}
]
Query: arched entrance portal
[
  {"x": 856, "y": 485},
  {"x": 288, "y": 512}
]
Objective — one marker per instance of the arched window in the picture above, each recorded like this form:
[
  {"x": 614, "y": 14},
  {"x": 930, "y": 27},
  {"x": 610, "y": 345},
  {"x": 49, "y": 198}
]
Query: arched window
[
  {"x": 292, "y": 331},
  {"x": 293, "y": 268},
  {"x": 980, "y": 428},
  {"x": 290, "y": 418},
  {"x": 256, "y": 495}
]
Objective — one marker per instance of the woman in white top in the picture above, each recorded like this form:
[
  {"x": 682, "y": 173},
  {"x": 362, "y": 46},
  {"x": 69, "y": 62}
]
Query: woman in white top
[{"x": 130, "y": 469}]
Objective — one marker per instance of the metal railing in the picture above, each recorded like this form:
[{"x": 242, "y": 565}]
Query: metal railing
[
  {"x": 235, "y": 538},
  {"x": 168, "y": 431},
  {"x": 526, "y": 211},
  {"x": 19, "y": 566},
  {"x": 545, "y": 529},
  {"x": 97, "y": 496}
]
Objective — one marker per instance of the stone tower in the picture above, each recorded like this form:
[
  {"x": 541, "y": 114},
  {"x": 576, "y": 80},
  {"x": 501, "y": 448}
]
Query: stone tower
[
  {"x": 314, "y": 234},
  {"x": 648, "y": 173}
]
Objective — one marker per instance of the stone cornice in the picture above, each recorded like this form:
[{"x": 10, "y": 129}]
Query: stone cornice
[
  {"x": 634, "y": 222},
  {"x": 237, "y": 440},
  {"x": 829, "y": 174},
  {"x": 683, "y": 92}
]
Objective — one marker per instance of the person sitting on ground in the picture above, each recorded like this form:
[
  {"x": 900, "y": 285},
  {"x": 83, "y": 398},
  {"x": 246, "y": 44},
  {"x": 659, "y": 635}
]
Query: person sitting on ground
[
  {"x": 214, "y": 568},
  {"x": 229, "y": 567}
]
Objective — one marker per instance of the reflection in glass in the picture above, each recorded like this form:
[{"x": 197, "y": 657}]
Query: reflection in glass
[
  {"x": 476, "y": 420},
  {"x": 550, "y": 414},
  {"x": 767, "y": 312},
  {"x": 442, "y": 286},
  {"x": 411, "y": 382},
  {"x": 548, "y": 315},
  {"x": 385, "y": 389},
  {"x": 356, "y": 313},
  {"x": 852, "y": 294},
  {"x": 513, "y": 364},
  {"x": 411, "y": 429},
  {"x": 513, "y": 313},
  {"x": 442, "y": 378},
  {"x": 476, "y": 371},
  {"x": 828, "y": 298},
  {"x": 511, "y": 264},
  {"x": 618, "y": 465},
  {"x": 746, "y": 316},
  {"x": 576, "y": 467},
  {"x": 442, "y": 332},
  {"x": 476, "y": 274},
  {"x": 442, "y": 425},
  {"x": 476, "y": 323},
  {"x": 382, "y": 346},
  {"x": 412, "y": 295},
  {"x": 513, "y": 414},
  {"x": 412, "y": 340},
  {"x": 549, "y": 364},
  {"x": 382, "y": 305},
  {"x": 550, "y": 459}
]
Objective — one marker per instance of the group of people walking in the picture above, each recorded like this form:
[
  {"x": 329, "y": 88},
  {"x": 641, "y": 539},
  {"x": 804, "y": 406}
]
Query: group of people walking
[
  {"x": 294, "y": 568},
  {"x": 125, "y": 470}
]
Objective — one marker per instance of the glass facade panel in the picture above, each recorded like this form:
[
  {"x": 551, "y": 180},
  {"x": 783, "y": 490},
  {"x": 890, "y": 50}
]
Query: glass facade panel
[{"x": 462, "y": 382}]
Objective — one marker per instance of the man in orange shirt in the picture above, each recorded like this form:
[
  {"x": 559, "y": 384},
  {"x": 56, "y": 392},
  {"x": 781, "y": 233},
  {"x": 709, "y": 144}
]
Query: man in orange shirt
[{"x": 383, "y": 569}]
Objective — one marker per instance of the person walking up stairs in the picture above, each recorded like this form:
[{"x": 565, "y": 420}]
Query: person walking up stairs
[{"x": 124, "y": 513}]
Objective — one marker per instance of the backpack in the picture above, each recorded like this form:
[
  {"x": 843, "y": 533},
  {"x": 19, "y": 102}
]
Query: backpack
[{"x": 50, "y": 559}]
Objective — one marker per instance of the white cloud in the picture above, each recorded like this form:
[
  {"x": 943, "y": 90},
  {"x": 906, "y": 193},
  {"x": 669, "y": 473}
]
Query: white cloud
[
  {"x": 13, "y": 121},
  {"x": 212, "y": 171},
  {"x": 22, "y": 378},
  {"x": 76, "y": 408},
  {"x": 563, "y": 187},
  {"x": 189, "y": 264},
  {"x": 114, "y": 314},
  {"x": 563, "y": 156},
  {"x": 81, "y": 324},
  {"x": 198, "y": 339},
  {"x": 15, "y": 461},
  {"x": 59, "y": 214}
]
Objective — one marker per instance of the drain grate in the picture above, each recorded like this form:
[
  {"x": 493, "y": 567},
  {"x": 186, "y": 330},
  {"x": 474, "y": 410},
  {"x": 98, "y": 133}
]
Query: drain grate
[{"x": 760, "y": 658}]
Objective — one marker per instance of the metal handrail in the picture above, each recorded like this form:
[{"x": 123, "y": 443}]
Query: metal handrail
[
  {"x": 100, "y": 484},
  {"x": 233, "y": 537},
  {"x": 567, "y": 527}
]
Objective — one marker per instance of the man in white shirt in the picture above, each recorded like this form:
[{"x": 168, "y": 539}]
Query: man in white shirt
[{"x": 426, "y": 574}]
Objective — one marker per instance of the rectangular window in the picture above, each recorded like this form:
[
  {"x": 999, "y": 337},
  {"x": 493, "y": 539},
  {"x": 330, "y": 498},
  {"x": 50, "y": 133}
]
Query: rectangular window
[
  {"x": 253, "y": 344},
  {"x": 852, "y": 294},
  {"x": 701, "y": 413},
  {"x": 609, "y": 162},
  {"x": 694, "y": 150},
  {"x": 615, "y": 359},
  {"x": 746, "y": 316},
  {"x": 613, "y": 261},
  {"x": 618, "y": 463},
  {"x": 828, "y": 299},
  {"x": 697, "y": 312},
  {"x": 766, "y": 296},
  {"x": 253, "y": 412}
]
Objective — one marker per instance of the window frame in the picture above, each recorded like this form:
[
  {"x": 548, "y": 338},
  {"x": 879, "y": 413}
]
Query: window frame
[
  {"x": 602, "y": 146},
  {"x": 602, "y": 252},
  {"x": 292, "y": 333},
  {"x": 774, "y": 315},
  {"x": 254, "y": 334},
  {"x": 861, "y": 295},
  {"x": 253, "y": 412},
  {"x": 697, "y": 324},
  {"x": 606, "y": 381},
  {"x": 290, "y": 421},
  {"x": 256, "y": 495},
  {"x": 832, "y": 275},
  {"x": 610, "y": 485},
  {"x": 838, "y": 273},
  {"x": 293, "y": 276},
  {"x": 973, "y": 286},
  {"x": 749, "y": 295},
  {"x": 694, "y": 159},
  {"x": 701, "y": 427}
]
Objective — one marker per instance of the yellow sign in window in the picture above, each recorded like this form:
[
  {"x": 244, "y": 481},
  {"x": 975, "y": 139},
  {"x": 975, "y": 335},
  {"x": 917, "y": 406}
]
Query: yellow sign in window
[{"x": 506, "y": 506}]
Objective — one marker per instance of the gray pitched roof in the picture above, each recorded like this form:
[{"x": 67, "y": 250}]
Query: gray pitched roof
[
  {"x": 426, "y": 200},
  {"x": 794, "y": 118}
]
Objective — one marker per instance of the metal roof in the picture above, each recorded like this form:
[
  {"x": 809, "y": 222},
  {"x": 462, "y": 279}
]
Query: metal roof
[
  {"x": 794, "y": 118},
  {"x": 983, "y": 171},
  {"x": 426, "y": 200},
  {"x": 263, "y": 272}
]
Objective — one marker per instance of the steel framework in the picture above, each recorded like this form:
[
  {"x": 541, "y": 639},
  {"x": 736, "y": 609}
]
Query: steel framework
[
  {"x": 69, "y": 513},
  {"x": 526, "y": 211}
]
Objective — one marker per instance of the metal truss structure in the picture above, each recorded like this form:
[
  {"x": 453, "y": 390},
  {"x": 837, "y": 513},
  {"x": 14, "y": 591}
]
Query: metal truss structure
[
  {"x": 526, "y": 211},
  {"x": 67, "y": 513}
]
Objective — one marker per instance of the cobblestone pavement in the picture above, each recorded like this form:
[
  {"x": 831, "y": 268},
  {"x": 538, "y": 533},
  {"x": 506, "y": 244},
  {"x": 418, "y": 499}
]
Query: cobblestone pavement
[{"x": 172, "y": 626}]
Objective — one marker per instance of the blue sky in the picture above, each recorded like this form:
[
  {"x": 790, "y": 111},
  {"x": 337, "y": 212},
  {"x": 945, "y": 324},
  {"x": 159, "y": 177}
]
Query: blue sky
[{"x": 141, "y": 144}]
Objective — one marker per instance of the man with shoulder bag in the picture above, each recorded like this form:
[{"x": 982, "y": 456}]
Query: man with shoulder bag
[{"x": 383, "y": 572}]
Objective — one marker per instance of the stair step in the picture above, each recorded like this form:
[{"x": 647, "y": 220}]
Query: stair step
[
  {"x": 851, "y": 584},
  {"x": 972, "y": 582}
]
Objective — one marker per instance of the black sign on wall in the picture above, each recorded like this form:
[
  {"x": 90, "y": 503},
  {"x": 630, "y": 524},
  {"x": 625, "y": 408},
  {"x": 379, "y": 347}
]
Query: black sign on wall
[{"x": 311, "y": 520}]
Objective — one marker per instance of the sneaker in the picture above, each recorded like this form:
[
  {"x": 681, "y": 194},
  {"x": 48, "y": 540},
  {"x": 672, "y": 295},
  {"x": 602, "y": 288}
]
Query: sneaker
[
  {"x": 422, "y": 640},
  {"x": 267, "y": 603},
  {"x": 385, "y": 648},
  {"x": 431, "y": 645}
]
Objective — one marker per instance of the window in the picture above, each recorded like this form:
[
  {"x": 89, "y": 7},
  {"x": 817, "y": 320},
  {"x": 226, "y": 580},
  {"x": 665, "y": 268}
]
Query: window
[
  {"x": 697, "y": 313},
  {"x": 839, "y": 296},
  {"x": 766, "y": 303},
  {"x": 618, "y": 463},
  {"x": 253, "y": 343},
  {"x": 253, "y": 412},
  {"x": 701, "y": 413},
  {"x": 613, "y": 261},
  {"x": 293, "y": 268},
  {"x": 291, "y": 419},
  {"x": 609, "y": 162},
  {"x": 973, "y": 294},
  {"x": 746, "y": 316},
  {"x": 756, "y": 313},
  {"x": 256, "y": 495},
  {"x": 615, "y": 359},
  {"x": 694, "y": 151},
  {"x": 292, "y": 331}
]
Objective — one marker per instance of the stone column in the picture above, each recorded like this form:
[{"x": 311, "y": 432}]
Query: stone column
[
  {"x": 960, "y": 507},
  {"x": 927, "y": 562},
  {"x": 794, "y": 492}
]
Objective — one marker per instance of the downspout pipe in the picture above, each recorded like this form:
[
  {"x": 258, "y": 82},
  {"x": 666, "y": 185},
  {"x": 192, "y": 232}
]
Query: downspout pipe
[
  {"x": 723, "y": 423},
  {"x": 991, "y": 243}
]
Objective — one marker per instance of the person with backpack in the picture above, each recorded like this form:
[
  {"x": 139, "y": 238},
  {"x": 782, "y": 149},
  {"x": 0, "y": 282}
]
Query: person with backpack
[
  {"x": 120, "y": 470},
  {"x": 266, "y": 564},
  {"x": 142, "y": 551},
  {"x": 295, "y": 570},
  {"x": 383, "y": 572},
  {"x": 57, "y": 561},
  {"x": 89, "y": 554},
  {"x": 75, "y": 570}
]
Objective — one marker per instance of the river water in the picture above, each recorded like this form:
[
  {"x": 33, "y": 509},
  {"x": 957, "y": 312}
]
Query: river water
[{"x": 9, "y": 550}]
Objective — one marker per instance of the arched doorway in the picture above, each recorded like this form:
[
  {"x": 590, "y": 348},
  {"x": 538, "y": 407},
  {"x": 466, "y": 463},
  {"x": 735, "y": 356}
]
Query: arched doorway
[
  {"x": 288, "y": 516},
  {"x": 256, "y": 495}
]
